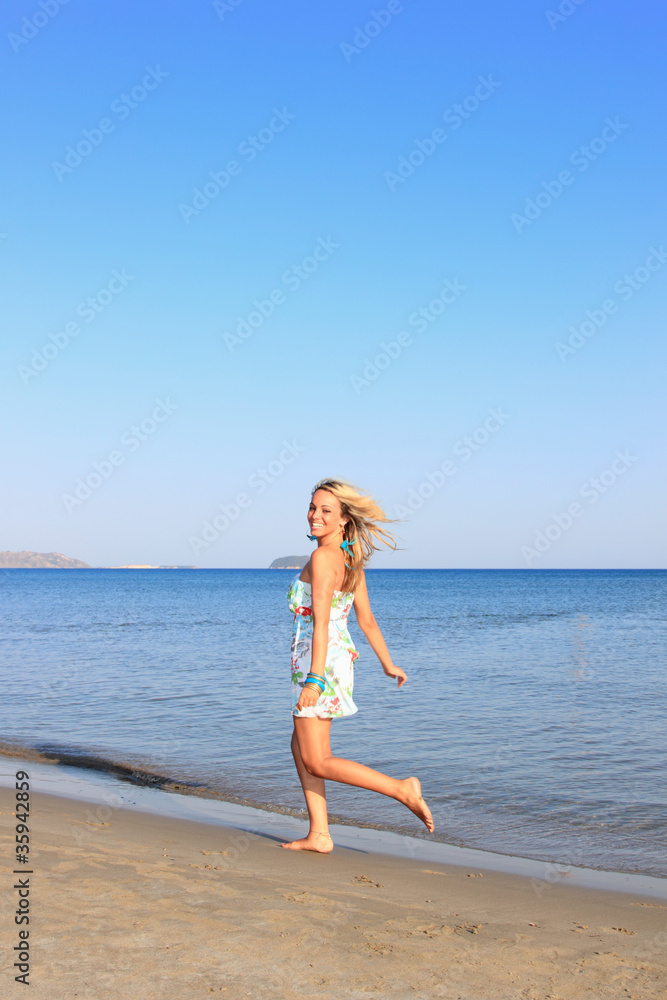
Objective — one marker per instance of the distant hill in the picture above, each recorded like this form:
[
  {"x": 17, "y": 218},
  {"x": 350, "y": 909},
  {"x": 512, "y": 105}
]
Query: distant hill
[
  {"x": 39, "y": 560},
  {"x": 289, "y": 562}
]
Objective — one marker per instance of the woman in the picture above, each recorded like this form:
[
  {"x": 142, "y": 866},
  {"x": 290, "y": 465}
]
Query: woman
[{"x": 345, "y": 525}]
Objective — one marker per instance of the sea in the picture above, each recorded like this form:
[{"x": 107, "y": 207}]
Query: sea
[{"x": 534, "y": 712}]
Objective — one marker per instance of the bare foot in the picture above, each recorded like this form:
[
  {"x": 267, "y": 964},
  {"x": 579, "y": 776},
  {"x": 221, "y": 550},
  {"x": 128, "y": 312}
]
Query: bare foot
[
  {"x": 319, "y": 842},
  {"x": 412, "y": 798}
]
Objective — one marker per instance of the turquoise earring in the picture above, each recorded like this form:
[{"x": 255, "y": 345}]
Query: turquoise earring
[
  {"x": 345, "y": 546},
  {"x": 312, "y": 538}
]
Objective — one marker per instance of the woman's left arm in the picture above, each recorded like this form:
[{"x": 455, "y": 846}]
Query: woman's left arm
[{"x": 371, "y": 630}]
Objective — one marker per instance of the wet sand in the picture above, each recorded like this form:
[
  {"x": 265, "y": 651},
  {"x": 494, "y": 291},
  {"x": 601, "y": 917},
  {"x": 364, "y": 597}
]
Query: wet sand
[{"x": 125, "y": 903}]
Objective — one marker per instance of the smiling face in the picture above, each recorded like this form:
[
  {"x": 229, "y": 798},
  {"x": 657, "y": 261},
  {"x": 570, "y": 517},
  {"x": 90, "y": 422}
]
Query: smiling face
[{"x": 324, "y": 515}]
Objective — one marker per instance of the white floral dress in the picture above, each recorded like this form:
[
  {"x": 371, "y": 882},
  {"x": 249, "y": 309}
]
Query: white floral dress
[{"x": 339, "y": 669}]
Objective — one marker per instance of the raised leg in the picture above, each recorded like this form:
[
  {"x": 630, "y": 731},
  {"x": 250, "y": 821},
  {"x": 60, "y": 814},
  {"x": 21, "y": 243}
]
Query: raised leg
[
  {"x": 318, "y": 838},
  {"x": 313, "y": 741}
]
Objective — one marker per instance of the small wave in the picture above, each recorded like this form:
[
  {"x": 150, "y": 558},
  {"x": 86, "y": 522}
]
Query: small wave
[{"x": 148, "y": 778}]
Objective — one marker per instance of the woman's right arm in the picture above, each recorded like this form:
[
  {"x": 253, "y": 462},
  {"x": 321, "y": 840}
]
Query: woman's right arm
[
  {"x": 371, "y": 629},
  {"x": 322, "y": 580}
]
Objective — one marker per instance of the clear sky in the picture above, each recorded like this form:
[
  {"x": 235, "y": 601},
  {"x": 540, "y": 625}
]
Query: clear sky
[{"x": 247, "y": 245}]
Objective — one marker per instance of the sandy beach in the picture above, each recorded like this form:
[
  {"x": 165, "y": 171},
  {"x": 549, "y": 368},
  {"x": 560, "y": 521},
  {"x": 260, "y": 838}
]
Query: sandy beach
[{"x": 124, "y": 903}]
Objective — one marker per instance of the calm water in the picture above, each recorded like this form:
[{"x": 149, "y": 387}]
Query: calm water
[{"x": 534, "y": 711}]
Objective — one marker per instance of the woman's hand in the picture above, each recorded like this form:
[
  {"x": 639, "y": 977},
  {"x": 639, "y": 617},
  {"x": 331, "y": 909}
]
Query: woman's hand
[
  {"x": 308, "y": 697},
  {"x": 394, "y": 671}
]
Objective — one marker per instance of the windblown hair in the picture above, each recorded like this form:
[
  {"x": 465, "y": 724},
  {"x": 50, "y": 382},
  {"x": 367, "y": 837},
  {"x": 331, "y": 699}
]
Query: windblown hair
[{"x": 364, "y": 517}]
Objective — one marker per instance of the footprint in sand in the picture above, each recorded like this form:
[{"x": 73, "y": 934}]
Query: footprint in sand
[
  {"x": 309, "y": 899},
  {"x": 433, "y": 930},
  {"x": 365, "y": 880}
]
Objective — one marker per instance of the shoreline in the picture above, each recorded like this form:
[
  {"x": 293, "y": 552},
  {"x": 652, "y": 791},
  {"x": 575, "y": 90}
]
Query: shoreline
[
  {"x": 98, "y": 787},
  {"x": 131, "y": 902}
]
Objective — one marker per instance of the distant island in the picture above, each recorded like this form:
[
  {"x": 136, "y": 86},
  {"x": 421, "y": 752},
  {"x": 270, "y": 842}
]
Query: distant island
[
  {"x": 289, "y": 562},
  {"x": 56, "y": 560},
  {"x": 146, "y": 566},
  {"x": 39, "y": 560}
]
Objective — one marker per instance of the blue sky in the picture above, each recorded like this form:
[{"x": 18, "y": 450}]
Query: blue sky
[{"x": 367, "y": 164}]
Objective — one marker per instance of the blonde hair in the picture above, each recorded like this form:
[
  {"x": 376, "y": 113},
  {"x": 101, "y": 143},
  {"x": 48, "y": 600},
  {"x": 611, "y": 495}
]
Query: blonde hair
[{"x": 364, "y": 516}]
